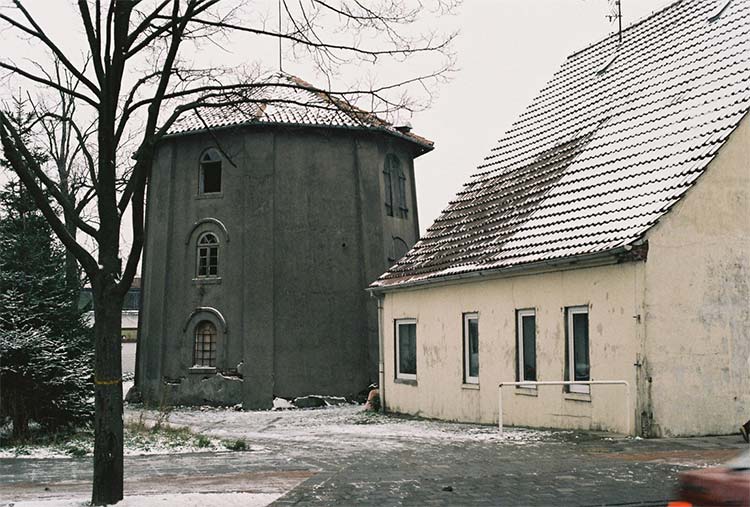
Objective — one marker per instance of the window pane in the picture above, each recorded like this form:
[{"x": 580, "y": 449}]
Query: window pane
[
  {"x": 528, "y": 325},
  {"x": 581, "y": 346},
  {"x": 202, "y": 262},
  {"x": 208, "y": 239},
  {"x": 211, "y": 176},
  {"x": 473, "y": 346},
  {"x": 205, "y": 345},
  {"x": 407, "y": 348}
]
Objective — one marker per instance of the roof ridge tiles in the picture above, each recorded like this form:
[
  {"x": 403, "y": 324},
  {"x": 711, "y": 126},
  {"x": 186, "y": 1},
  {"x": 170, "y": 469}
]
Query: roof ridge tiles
[
  {"x": 541, "y": 100},
  {"x": 568, "y": 67},
  {"x": 516, "y": 126},
  {"x": 626, "y": 29}
]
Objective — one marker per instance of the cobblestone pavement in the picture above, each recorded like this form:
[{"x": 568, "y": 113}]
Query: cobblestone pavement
[{"x": 341, "y": 456}]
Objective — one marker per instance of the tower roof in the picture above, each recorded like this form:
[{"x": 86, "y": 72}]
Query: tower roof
[{"x": 283, "y": 99}]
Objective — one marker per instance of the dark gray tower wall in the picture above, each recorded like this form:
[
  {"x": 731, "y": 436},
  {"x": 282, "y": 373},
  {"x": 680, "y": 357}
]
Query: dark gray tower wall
[{"x": 303, "y": 230}]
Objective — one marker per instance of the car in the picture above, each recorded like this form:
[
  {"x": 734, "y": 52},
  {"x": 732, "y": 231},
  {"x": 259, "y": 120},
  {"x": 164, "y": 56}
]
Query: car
[{"x": 722, "y": 486}]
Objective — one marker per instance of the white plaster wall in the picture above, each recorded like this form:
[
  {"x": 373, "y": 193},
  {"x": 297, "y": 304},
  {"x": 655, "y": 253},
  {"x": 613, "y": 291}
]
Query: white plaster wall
[
  {"x": 613, "y": 294},
  {"x": 698, "y": 302}
]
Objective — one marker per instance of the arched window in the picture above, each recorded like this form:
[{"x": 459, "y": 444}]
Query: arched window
[
  {"x": 210, "y": 178},
  {"x": 208, "y": 256},
  {"x": 204, "y": 352},
  {"x": 394, "y": 183}
]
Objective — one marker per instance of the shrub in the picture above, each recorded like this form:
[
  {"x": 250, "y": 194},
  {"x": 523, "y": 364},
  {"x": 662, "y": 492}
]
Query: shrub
[{"x": 235, "y": 445}]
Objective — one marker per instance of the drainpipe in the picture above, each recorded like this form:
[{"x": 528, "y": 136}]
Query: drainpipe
[{"x": 381, "y": 353}]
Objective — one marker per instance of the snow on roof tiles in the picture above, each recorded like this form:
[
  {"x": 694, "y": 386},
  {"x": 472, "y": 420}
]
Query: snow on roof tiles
[
  {"x": 600, "y": 155},
  {"x": 284, "y": 99}
]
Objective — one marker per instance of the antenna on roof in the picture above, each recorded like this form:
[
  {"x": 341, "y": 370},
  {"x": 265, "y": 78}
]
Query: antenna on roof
[
  {"x": 616, "y": 14},
  {"x": 281, "y": 69}
]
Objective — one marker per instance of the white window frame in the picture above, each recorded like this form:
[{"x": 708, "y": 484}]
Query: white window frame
[
  {"x": 207, "y": 246},
  {"x": 397, "y": 343},
  {"x": 520, "y": 314},
  {"x": 577, "y": 388},
  {"x": 468, "y": 317}
]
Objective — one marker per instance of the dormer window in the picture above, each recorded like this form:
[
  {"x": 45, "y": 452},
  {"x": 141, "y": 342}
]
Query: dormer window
[{"x": 210, "y": 177}]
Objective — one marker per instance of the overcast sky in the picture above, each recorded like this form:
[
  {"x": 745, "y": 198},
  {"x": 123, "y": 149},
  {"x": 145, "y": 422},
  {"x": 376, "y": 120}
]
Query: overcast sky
[{"x": 507, "y": 50}]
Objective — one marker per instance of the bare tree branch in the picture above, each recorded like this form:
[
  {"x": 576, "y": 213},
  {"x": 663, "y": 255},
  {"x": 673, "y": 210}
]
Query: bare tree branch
[
  {"x": 17, "y": 70},
  {"x": 429, "y": 48},
  {"x": 93, "y": 39},
  {"x": 40, "y": 35},
  {"x": 21, "y": 160}
]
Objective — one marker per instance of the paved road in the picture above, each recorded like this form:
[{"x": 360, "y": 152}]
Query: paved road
[
  {"x": 344, "y": 457},
  {"x": 128, "y": 357}
]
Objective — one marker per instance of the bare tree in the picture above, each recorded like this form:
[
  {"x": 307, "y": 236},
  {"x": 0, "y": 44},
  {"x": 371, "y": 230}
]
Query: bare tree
[
  {"x": 67, "y": 148},
  {"x": 133, "y": 69}
]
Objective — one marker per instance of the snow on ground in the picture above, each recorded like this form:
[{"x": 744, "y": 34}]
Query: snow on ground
[
  {"x": 134, "y": 446},
  {"x": 342, "y": 426},
  {"x": 126, "y": 387},
  {"x": 332, "y": 427},
  {"x": 181, "y": 500}
]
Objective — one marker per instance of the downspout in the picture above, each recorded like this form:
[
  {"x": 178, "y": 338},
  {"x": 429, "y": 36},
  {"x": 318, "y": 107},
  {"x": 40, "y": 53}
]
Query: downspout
[{"x": 381, "y": 354}]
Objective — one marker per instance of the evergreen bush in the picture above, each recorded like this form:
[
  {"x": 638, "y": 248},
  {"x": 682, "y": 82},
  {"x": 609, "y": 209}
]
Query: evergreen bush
[{"x": 46, "y": 347}]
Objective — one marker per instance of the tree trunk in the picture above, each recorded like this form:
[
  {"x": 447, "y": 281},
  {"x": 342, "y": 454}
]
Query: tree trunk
[
  {"x": 108, "y": 426},
  {"x": 20, "y": 419}
]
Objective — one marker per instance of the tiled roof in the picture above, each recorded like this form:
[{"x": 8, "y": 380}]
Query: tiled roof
[
  {"x": 280, "y": 98},
  {"x": 603, "y": 151}
]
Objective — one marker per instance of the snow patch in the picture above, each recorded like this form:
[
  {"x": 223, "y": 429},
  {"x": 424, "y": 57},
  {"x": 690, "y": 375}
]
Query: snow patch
[
  {"x": 183, "y": 500},
  {"x": 282, "y": 404}
]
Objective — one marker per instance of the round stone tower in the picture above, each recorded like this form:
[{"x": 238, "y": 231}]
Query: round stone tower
[{"x": 269, "y": 213}]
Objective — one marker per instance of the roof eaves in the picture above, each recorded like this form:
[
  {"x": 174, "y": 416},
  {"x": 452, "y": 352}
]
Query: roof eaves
[
  {"x": 424, "y": 144},
  {"x": 603, "y": 258}
]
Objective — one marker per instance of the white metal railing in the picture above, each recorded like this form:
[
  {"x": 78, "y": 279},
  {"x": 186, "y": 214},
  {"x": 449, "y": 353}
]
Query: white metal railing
[{"x": 563, "y": 383}]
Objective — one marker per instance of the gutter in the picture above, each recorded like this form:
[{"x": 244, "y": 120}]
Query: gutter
[
  {"x": 381, "y": 352},
  {"x": 608, "y": 257}
]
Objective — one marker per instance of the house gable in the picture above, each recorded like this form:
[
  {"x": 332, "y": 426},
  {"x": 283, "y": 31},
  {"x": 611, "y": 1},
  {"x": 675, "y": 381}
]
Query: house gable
[{"x": 696, "y": 313}]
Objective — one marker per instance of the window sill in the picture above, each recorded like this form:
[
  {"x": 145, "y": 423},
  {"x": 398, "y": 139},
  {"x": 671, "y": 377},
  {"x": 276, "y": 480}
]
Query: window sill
[
  {"x": 585, "y": 397},
  {"x": 471, "y": 387},
  {"x": 207, "y": 281},
  {"x": 211, "y": 195},
  {"x": 527, "y": 391},
  {"x": 201, "y": 370},
  {"x": 405, "y": 381}
]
